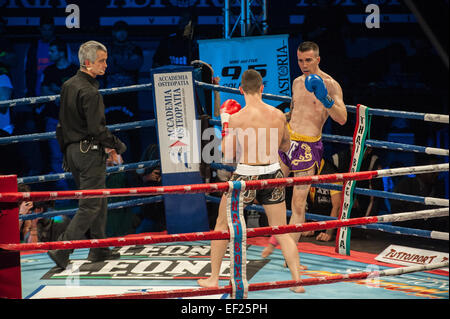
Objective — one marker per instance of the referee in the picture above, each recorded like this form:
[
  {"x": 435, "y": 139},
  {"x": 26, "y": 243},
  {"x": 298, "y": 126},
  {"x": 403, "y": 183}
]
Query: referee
[{"x": 86, "y": 142}]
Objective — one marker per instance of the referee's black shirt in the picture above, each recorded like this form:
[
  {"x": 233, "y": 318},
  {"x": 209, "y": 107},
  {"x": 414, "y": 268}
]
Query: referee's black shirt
[{"x": 82, "y": 113}]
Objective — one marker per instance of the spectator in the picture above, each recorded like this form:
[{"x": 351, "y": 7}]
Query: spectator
[
  {"x": 426, "y": 185},
  {"x": 124, "y": 62},
  {"x": 25, "y": 117},
  {"x": 325, "y": 201},
  {"x": 38, "y": 57},
  {"x": 7, "y": 60},
  {"x": 8, "y": 164},
  {"x": 152, "y": 216},
  {"x": 119, "y": 221},
  {"x": 49, "y": 229},
  {"x": 54, "y": 76},
  {"x": 362, "y": 205},
  {"x": 27, "y": 228},
  {"x": 179, "y": 48}
]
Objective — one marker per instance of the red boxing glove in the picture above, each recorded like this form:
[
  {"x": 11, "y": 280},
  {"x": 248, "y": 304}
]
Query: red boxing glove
[{"x": 228, "y": 108}]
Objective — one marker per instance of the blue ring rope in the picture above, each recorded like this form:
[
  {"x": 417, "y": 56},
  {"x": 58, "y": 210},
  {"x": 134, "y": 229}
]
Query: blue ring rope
[
  {"x": 315, "y": 217},
  {"x": 51, "y": 98},
  {"x": 111, "y": 206},
  {"x": 438, "y": 118},
  {"x": 258, "y": 208},
  {"x": 51, "y": 135},
  {"x": 109, "y": 170},
  {"x": 357, "y": 190}
]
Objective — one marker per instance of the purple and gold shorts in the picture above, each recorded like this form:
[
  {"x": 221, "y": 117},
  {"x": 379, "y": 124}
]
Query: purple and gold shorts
[{"x": 304, "y": 152}]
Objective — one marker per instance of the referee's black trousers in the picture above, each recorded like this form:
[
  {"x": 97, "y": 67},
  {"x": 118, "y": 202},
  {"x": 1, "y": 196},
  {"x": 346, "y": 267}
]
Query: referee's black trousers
[{"x": 88, "y": 168}]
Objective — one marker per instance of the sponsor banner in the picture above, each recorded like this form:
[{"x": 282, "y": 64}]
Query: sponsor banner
[
  {"x": 46, "y": 292},
  {"x": 151, "y": 262},
  {"x": 178, "y": 129},
  {"x": 407, "y": 256},
  {"x": 229, "y": 58}
]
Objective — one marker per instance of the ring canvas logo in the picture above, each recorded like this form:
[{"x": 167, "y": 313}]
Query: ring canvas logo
[{"x": 151, "y": 262}]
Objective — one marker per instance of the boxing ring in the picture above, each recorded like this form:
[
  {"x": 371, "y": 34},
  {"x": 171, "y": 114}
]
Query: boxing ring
[{"x": 364, "y": 284}]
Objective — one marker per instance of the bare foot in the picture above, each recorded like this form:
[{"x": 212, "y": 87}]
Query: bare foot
[
  {"x": 208, "y": 283},
  {"x": 298, "y": 289},
  {"x": 267, "y": 251},
  {"x": 302, "y": 267},
  {"x": 323, "y": 237},
  {"x": 308, "y": 233}
]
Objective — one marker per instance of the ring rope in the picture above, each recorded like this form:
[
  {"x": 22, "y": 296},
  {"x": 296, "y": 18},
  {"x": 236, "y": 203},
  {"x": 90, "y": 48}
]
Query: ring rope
[
  {"x": 51, "y": 98},
  {"x": 379, "y": 226},
  {"x": 111, "y": 206},
  {"x": 438, "y": 118},
  {"x": 309, "y": 216},
  {"x": 325, "y": 137},
  {"x": 177, "y": 293},
  {"x": 389, "y": 195},
  {"x": 219, "y": 187},
  {"x": 391, "y": 170},
  {"x": 51, "y": 135},
  {"x": 430, "y": 117},
  {"x": 214, "y": 235},
  {"x": 365, "y": 191},
  {"x": 150, "y": 164},
  {"x": 109, "y": 170},
  {"x": 379, "y": 144}
]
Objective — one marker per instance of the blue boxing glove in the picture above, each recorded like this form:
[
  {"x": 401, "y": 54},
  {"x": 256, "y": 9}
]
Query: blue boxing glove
[{"x": 315, "y": 84}]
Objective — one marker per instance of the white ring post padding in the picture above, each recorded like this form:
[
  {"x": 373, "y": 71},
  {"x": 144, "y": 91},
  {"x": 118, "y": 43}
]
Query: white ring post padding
[
  {"x": 409, "y": 269},
  {"x": 440, "y": 118},
  {"x": 436, "y": 151},
  {"x": 412, "y": 170},
  {"x": 422, "y": 214},
  {"x": 436, "y": 201},
  {"x": 439, "y": 235}
]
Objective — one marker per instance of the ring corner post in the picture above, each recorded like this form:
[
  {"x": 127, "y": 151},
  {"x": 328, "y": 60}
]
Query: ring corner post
[
  {"x": 10, "y": 273},
  {"x": 179, "y": 147}
]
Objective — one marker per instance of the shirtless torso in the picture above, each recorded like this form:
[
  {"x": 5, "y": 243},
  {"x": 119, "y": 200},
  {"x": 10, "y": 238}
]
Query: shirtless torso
[
  {"x": 258, "y": 131},
  {"x": 307, "y": 113}
]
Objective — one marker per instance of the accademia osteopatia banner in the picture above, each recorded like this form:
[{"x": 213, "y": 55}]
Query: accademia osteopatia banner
[{"x": 177, "y": 125}]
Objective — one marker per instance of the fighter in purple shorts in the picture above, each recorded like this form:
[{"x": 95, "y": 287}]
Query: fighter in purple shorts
[
  {"x": 315, "y": 97},
  {"x": 304, "y": 154}
]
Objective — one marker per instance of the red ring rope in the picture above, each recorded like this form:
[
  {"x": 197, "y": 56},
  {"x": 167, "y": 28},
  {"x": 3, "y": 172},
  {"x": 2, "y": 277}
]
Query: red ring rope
[
  {"x": 270, "y": 285},
  {"x": 179, "y": 189},
  {"x": 211, "y": 235}
]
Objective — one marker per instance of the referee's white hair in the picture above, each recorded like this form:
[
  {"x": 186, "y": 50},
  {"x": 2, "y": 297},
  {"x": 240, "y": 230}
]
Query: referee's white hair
[{"x": 88, "y": 51}]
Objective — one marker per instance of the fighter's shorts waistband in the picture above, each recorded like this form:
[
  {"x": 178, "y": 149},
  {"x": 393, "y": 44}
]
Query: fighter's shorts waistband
[
  {"x": 252, "y": 170},
  {"x": 303, "y": 138}
]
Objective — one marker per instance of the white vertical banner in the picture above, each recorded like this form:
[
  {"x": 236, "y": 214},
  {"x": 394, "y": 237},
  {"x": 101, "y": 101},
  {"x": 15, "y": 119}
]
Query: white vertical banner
[
  {"x": 178, "y": 128},
  {"x": 179, "y": 147},
  {"x": 231, "y": 57}
]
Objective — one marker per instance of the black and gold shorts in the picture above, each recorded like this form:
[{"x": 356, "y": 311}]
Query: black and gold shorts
[{"x": 264, "y": 196}]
